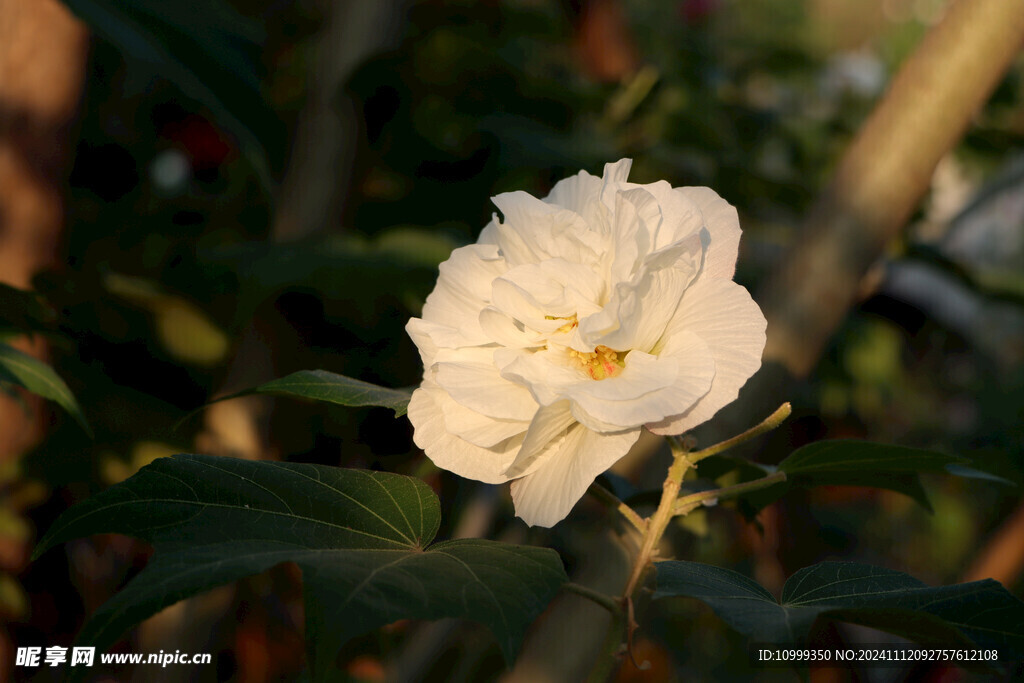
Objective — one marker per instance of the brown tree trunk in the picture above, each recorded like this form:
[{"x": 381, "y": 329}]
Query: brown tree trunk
[
  {"x": 885, "y": 172},
  {"x": 43, "y": 51}
]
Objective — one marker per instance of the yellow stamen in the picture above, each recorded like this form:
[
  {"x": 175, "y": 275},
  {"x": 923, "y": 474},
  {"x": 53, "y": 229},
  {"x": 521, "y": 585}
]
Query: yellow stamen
[
  {"x": 601, "y": 363},
  {"x": 568, "y": 327}
]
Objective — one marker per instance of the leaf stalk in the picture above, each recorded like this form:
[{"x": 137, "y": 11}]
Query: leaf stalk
[
  {"x": 612, "y": 501},
  {"x": 687, "y": 504},
  {"x": 767, "y": 425}
]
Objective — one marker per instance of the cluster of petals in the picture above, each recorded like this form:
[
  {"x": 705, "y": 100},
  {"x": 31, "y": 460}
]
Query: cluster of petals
[{"x": 573, "y": 323}]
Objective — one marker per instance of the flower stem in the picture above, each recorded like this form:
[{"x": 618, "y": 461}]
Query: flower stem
[
  {"x": 659, "y": 521},
  {"x": 610, "y": 499},
  {"x": 686, "y": 504},
  {"x": 652, "y": 528},
  {"x": 768, "y": 424}
]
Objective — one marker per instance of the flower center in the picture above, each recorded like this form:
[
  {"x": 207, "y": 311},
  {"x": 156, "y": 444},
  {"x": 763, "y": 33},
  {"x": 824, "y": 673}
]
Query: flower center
[{"x": 601, "y": 363}]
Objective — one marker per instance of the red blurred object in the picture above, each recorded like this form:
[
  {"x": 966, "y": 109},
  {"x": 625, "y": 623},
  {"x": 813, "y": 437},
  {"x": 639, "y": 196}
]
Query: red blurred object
[
  {"x": 655, "y": 659},
  {"x": 698, "y": 11},
  {"x": 252, "y": 648},
  {"x": 603, "y": 42},
  {"x": 366, "y": 668},
  {"x": 206, "y": 146}
]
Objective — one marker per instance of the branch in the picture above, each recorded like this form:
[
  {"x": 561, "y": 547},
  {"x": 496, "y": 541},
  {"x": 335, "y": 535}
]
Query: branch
[
  {"x": 885, "y": 172},
  {"x": 612, "y": 501},
  {"x": 767, "y": 425},
  {"x": 686, "y": 504}
]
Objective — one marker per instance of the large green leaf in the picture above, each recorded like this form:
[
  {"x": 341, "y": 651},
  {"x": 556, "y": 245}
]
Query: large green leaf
[
  {"x": 36, "y": 376},
  {"x": 981, "y": 612},
  {"x": 361, "y": 539},
  {"x": 320, "y": 385},
  {"x": 206, "y": 49},
  {"x": 843, "y": 462},
  {"x": 846, "y": 456}
]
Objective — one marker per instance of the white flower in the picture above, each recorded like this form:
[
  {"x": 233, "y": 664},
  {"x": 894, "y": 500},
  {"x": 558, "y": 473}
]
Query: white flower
[{"x": 580, "y": 319}]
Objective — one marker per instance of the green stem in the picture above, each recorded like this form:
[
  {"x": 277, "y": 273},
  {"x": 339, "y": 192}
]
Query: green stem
[
  {"x": 659, "y": 521},
  {"x": 654, "y": 527},
  {"x": 601, "y": 599},
  {"x": 686, "y": 504},
  {"x": 768, "y": 424},
  {"x": 612, "y": 501}
]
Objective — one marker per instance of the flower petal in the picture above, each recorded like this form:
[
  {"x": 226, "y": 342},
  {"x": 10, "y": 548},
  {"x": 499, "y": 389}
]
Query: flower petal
[
  {"x": 448, "y": 451},
  {"x": 544, "y": 373},
  {"x": 519, "y": 304},
  {"x": 724, "y": 316},
  {"x": 641, "y": 375},
  {"x": 476, "y": 383},
  {"x": 575, "y": 192},
  {"x": 675, "y": 382},
  {"x": 476, "y": 428},
  {"x": 545, "y": 497},
  {"x": 723, "y": 225},
  {"x": 440, "y": 336},
  {"x": 419, "y": 332},
  {"x": 681, "y": 217},
  {"x": 535, "y": 230},
  {"x": 614, "y": 180},
  {"x": 618, "y": 171},
  {"x": 637, "y": 314},
  {"x": 463, "y": 288},
  {"x": 503, "y": 329},
  {"x": 544, "y": 296},
  {"x": 548, "y": 424}
]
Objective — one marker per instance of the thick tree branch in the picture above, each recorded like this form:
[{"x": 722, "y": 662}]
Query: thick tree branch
[{"x": 884, "y": 173}]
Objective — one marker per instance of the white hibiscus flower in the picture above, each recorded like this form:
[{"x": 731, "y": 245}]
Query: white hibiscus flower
[{"x": 575, "y": 322}]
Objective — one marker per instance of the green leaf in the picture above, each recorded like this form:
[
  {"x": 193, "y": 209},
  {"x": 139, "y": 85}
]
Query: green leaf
[
  {"x": 849, "y": 455},
  {"x": 981, "y": 612},
  {"x": 32, "y": 374},
  {"x": 411, "y": 246},
  {"x": 211, "y": 53},
  {"x": 320, "y": 385},
  {"x": 844, "y": 462},
  {"x": 361, "y": 539}
]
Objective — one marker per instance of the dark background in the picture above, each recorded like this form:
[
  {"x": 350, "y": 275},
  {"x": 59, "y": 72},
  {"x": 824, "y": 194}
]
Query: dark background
[{"x": 273, "y": 191}]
